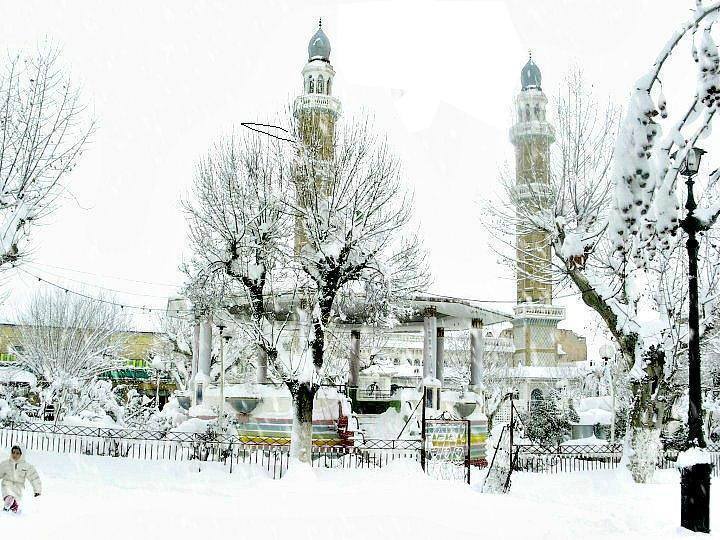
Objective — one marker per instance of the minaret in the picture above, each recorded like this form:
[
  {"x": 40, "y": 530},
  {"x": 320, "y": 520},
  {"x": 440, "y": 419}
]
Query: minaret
[
  {"x": 536, "y": 319},
  {"x": 316, "y": 111}
]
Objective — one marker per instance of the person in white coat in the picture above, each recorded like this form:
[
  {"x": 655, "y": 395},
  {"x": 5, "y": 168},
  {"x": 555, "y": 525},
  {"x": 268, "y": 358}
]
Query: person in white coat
[{"x": 14, "y": 472}]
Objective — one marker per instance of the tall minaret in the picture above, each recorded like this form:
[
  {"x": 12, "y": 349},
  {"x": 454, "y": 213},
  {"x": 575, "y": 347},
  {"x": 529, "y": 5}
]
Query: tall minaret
[
  {"x": 317, "y": 111},
  {"x": 536, "y": 319}
]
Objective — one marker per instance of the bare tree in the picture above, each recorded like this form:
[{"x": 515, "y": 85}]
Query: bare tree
[
  {"x": 304, "y": 243},
  {"x": 44, "y": 127},
  {"x": 239, "y": 233},
  {"x": 356, "y": 252},
  {"x": 68, "y": 341}
]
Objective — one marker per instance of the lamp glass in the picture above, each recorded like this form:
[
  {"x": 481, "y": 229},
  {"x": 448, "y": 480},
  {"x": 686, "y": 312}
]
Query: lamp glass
[
  {"x": 606, "y": 351},
  {"x": 693, "y": 161}
]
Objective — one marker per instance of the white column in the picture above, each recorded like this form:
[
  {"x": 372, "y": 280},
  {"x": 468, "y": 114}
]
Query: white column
[
  {"x": 354, "y": 374},
  {"x": 195, "y": 349},
  {"x": 477, "y": 352},
  {"x": 205, "y": 348},
  {"x": 430, "y": 350},
  {"x": 440, "y": 354},
  {"x": 202, "y": 375},
  {"x": 439, "y": 361},
  {"x": 261, "y": 371},
  {"x": 429, "y": 342}
]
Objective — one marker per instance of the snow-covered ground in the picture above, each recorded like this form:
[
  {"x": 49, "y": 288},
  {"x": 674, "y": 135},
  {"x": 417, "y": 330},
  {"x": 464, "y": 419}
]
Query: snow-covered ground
[{"x": 97, "y": 497}]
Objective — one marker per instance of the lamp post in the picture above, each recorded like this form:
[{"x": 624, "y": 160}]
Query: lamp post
[
  {"x": 221, "y": 408},
  {"x": 607, "y": 351},
  {"x": 695, "y": 479}
]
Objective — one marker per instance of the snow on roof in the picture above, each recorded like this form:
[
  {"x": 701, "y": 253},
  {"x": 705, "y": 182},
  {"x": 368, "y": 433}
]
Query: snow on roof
[
  {"x": 12, "y": 374},
  {"x": 547, "y": 372},
  {"x": 587, "y": 441},
  {"x": 590, "y": 403},
  {"x": 594, "y": 416},
  {"x": 401, "y": 370}
]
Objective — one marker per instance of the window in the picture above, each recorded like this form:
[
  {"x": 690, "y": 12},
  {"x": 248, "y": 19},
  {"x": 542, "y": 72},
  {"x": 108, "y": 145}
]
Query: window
[
  {"x": 327, "y": 88},
  {"x": 321, "y": 85},
  {"x": 311, "y": 87}
]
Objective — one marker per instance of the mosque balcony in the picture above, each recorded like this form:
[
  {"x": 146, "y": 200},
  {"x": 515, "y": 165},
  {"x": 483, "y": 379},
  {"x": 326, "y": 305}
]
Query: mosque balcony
[
  {"x": 530, "y": 130},
  {"x": 318, "y": 102},
  {"x": 532, "y": 191},
  {"x": 539, "y": 311}
]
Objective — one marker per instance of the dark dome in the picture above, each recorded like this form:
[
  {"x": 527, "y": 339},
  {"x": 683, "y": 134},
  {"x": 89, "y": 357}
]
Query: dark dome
[
  {"x": 319, "y": 46},
  {"x": 530, "y": 76}
]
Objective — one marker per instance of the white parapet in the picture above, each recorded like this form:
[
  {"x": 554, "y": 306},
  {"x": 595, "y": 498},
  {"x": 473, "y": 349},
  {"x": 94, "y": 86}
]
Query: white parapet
[
  {"x": 531, "y": 129},
  {"x": 319, "y": 102},
  {"x": 539, "y": 311}
]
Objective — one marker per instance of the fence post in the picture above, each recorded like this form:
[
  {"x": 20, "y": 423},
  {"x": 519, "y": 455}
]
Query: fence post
[
  {"x": 422, "y": 431},
  {"x": 467, "y": 450},
  {"x": 512, "y": 429}
]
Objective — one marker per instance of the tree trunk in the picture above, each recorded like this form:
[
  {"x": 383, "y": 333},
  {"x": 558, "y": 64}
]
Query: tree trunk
[
  {"x": 643, "y": 434},
  {"x": 646, "y": 415},
  {"x": 643, "y": 438},
  {"x": 303, "y": 395}
]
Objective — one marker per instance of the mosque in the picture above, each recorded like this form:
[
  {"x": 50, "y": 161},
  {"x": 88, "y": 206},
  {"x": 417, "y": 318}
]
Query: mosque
[
  {"x": 530, "y": 340},
  {"x": 450, "y": 340}
]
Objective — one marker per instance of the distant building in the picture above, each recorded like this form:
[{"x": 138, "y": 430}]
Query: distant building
[{"x": 136, "y": 370}]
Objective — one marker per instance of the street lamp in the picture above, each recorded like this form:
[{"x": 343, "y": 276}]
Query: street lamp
[
  {"x": 224, "y": 337},
  {"x": 695, "y": 479},
  {"x": 607, "y": 351}
]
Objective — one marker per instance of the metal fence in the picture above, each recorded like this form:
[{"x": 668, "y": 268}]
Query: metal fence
[
  {"x": 270, "y": 454},
  {"x": 571, "y": 458}
]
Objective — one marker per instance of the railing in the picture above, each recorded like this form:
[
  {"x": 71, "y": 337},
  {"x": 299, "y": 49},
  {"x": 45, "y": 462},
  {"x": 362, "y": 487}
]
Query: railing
[
  {"x": 374, "y": 394},
  {"x": 271, "y": 454},
  {"x": 539, "y": 311},
  {"x": 571, "y": 458},
  {"x": 537, "y": 458},
  {"x": 318, "y": 101}
]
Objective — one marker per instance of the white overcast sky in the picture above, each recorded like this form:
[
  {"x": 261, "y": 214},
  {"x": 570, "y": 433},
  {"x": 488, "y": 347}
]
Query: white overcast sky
[{"x": 166, "y": 78}]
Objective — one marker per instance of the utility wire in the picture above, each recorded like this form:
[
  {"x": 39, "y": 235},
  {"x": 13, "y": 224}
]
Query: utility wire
[
  {"x": 85, "y": 283},
  {"x": 102, "y": 300}
]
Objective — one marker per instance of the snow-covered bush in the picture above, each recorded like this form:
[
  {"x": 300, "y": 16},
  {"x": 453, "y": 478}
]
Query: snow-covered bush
[
  {"x": 546, "y": 423},
  {"x": 171, "y": 416},
  {"x": 95, "y": 404},
  {"x": 16, "y": 405}
]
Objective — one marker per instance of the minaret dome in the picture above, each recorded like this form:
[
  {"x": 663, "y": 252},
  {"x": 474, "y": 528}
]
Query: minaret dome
[
  {"x": 319, "y": 46},
  {"x": 530, "y": 77}
]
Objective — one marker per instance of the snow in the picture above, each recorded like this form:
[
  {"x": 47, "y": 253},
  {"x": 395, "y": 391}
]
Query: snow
[
  {"x": 193, "y": 425},
  {"x": 587, "y": 441},
  {"x": 707, "y": 216},
  {"x": 595, "y": 416},
  {"x": 91, "y": 420},
  {"x": 693, "y": 456},
  {"x": 595, "y": 410},
  {"x": 11, "y": 374},
  {"x": 202, "y": 411},
  {"x": 154, "y": 499}
]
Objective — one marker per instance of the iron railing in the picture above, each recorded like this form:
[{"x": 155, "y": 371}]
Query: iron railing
[
  {"x": 571, "y": 458},
  {"x": 269, "y": 453}
]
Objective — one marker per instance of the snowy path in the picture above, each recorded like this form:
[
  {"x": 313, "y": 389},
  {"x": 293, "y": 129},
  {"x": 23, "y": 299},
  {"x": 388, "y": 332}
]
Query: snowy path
[{"x": 93, "y": 497}]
